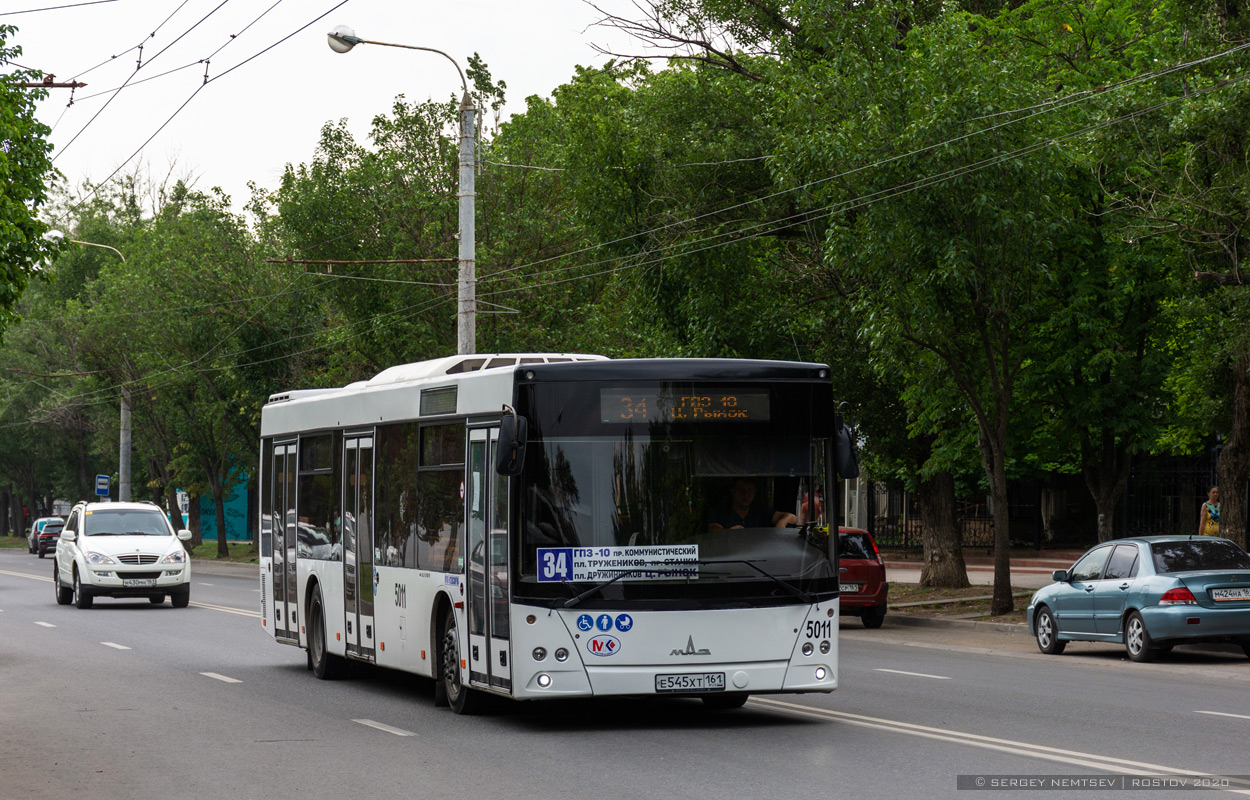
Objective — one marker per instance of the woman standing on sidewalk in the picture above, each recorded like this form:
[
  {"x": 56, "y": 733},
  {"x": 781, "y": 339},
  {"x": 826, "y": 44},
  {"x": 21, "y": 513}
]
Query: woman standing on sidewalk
[{"x": 1209, "y": 514}]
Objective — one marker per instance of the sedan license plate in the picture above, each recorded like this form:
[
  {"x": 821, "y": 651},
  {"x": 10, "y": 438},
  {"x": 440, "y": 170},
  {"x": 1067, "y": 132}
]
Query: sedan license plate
[
  {"x": 138, "y": 583},
  {"x": 1237, "y": 593},
  {"x": 691, "y": 682},
  {"x": 850, "y": 588}
]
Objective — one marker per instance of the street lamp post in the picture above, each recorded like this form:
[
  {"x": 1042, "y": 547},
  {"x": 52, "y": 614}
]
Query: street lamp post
[
  {"x": 123, "y": 454},
  {"x": 342, "y": 39}
]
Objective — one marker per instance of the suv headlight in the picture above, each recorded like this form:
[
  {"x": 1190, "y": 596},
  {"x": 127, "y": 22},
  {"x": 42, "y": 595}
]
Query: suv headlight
[
  {"x": 177, "y": 557},
  {"x": 99, "y": 558}
]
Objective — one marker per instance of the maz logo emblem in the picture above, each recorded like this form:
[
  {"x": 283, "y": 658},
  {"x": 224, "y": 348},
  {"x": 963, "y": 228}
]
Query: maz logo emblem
[{"x": 690, "y": 650}]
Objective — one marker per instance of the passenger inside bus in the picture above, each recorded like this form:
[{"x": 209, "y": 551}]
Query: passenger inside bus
[{"x": 742, "y": 510}]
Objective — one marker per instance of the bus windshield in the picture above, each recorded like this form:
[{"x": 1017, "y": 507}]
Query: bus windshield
[{"x": 669, "y": 494}]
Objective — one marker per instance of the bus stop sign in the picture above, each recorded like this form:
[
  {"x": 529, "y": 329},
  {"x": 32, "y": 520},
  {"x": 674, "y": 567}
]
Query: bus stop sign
[{"x": 102, "y": 485}]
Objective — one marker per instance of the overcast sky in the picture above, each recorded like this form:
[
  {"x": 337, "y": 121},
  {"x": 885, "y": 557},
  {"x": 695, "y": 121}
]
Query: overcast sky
[{"x": 252, "y": 118}]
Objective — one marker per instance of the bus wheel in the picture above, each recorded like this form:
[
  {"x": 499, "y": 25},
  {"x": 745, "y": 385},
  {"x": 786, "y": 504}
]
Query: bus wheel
[
  {"x": 325, "y": 666},
  {"x": 461, "y": 698},
  {"x": 724, "y": 702}
]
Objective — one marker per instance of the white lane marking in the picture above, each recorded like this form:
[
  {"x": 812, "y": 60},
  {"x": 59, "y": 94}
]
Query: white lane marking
[
  {"x": 25, "y": 575},
  {"x": 207, "y": 584},
  {"x": 381, "y": 727},
  {"x": 1072, "y": 757},
  {"x": 46, "y": 624},
  {"x": 221, "y": 678},
  {"x": 115, "y": 645},
  {"x": 1223, "y": 714},
  {"x": 915, "y": 674},
  {"x": 227, "y": 609}
]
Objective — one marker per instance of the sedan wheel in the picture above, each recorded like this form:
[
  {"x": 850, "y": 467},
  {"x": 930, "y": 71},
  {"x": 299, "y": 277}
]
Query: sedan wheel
[
  {"x": 1048, "y": 640},
  {"x": 1137, "y": 640}
]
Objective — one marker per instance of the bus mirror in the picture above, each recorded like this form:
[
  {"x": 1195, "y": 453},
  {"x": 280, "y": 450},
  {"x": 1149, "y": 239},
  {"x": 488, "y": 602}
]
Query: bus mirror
[
  {"x": 845, "y": 458},
  {"x": 510, "y": 455}
]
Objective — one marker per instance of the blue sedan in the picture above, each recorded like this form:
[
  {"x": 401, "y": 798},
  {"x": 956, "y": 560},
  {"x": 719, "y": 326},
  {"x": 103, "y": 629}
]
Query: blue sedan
[{"x": 1148, "y": 594}]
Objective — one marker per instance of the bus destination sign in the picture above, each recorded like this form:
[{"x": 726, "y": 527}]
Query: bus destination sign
[{"x": 652, "y": 405}]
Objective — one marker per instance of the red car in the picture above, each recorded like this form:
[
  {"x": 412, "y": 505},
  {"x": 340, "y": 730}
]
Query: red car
[{"x": 863, "y": 586}]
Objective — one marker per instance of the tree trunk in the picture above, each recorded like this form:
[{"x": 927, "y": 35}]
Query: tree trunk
[
  {"x": 1234, "y": 464},
  {"x": 4, "y": 513},
  {"x": 944, "y": 566},
  {"x": 1106, "y": 474},
  {"x": 193, "y": 520},
  {"x": 994, "y": 457},
  {"x": 219, "y": 505}
]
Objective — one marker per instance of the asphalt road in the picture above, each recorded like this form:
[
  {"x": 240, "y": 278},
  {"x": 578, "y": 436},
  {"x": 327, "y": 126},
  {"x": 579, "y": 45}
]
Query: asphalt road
[{"x": 202, "y": 704}]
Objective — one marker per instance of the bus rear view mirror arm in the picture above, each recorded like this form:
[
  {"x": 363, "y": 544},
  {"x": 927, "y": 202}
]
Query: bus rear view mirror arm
[{"x": 511, "y": 453}]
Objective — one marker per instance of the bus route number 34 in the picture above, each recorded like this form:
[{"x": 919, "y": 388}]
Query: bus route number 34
[{"x": 555, "y": 564}]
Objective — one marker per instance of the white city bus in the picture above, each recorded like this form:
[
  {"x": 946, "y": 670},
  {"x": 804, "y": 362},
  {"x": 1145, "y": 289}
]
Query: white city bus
[{"x": 539, "y": 526}]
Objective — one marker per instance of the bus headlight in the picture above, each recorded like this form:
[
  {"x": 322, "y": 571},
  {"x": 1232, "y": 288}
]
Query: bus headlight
[
  {"x": 544, "y": 680},
  {"x": 821, "y": 673},
  {"x": 561, "y": 654},
  {"x": 807, "y": 648},
  {"x": 540, "y": 653},
  {"x": 824, "y": 646}
]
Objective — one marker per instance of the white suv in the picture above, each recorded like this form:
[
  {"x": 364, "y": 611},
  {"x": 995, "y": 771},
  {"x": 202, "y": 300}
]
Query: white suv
[{"x": 121, "y": 550}]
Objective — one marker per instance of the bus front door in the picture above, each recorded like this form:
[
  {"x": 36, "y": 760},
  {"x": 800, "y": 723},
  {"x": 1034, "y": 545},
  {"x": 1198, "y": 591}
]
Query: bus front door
[
  {"x": 488, "y": 572},
  {"x": 357, "y": 542},
  {"x": 283, "y": 530}
]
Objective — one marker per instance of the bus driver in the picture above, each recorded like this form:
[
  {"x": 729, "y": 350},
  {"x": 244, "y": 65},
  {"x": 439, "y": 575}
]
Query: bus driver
[{"x": 743, "y": 512}]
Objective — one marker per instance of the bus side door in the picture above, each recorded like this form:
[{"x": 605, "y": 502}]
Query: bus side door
[
  {"x": 487, "y": 568},
  {"x": 283, "y": 527},
  {"x": 357, "y": 542}
]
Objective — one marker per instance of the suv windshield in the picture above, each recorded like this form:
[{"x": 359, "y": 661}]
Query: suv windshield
[
  {"x": 1194, "y": 555},
  {"x": 125, "y": 522},
  {"x": 675, "y": 509}
]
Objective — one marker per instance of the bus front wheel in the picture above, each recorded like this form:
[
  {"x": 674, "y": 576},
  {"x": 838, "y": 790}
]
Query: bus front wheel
[
  {"x": 461, "y": 698},
  {"x": 325, "y": 666}
]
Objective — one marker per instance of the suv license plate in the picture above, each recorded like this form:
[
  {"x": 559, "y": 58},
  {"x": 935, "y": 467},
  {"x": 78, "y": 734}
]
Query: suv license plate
[
  {"x": 138, "y": 583},
  {"x": 849, "y": 588},
  {"x": 691, "y": 682},
  {"x": 1239, "y": 593}
]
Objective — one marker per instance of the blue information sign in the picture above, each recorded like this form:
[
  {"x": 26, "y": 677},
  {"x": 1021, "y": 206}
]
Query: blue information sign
[{"x": 102, "y": 485}]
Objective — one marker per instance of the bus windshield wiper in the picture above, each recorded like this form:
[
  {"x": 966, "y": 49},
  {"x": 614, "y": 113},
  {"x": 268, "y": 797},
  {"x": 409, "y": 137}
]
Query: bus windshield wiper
[
  {"x": 572, "y": 601},
  {"x": 791, "y": 588}
]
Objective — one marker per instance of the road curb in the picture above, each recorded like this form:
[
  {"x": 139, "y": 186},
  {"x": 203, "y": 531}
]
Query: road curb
[
  {"x": 200, "y": 566},
  {"x": 1021, "y": 629},
  {"x": 1011, "y": 628}
]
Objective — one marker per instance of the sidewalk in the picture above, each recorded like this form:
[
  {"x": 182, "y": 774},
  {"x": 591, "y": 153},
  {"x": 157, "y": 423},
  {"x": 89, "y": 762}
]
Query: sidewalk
[{"x": 1027, "y": 572}]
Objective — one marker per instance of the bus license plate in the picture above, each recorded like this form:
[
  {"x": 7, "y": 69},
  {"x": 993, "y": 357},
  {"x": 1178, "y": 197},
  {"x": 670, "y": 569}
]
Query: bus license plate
[
  {"x": 138, "y": 583},
  {"x": 1240, "y": 593},
  {"x": 691, "y": 682}
]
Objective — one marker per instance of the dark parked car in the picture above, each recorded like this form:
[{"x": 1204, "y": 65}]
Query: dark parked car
[
  {"x": 32, "y": 538},
  {"x": 1149, "y": 594},
  {"x": 862, "y": 583},
  {"x": 49, "y": 535}
]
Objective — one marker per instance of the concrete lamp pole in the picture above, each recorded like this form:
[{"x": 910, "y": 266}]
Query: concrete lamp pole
[
  {"x": 123, "y": 455},
  {"x": 342, "y": 39}
]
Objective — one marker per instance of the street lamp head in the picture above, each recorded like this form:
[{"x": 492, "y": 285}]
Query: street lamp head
[{"x": 342, "y": 39}]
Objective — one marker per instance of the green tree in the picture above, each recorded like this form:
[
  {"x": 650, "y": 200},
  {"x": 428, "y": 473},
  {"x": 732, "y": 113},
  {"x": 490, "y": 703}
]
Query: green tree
[{"x": 25, "y": 171}]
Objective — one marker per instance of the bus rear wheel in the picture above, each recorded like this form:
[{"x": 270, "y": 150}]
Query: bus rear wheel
[{"x": 460, "y": 698}]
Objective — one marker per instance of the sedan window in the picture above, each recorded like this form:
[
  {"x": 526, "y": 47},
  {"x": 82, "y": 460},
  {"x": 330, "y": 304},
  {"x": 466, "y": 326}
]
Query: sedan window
[
  {"x": 1193, "y": 555},
  {"x": 1089, "y": 568},
  {"x": 1123, "y": 563}
]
